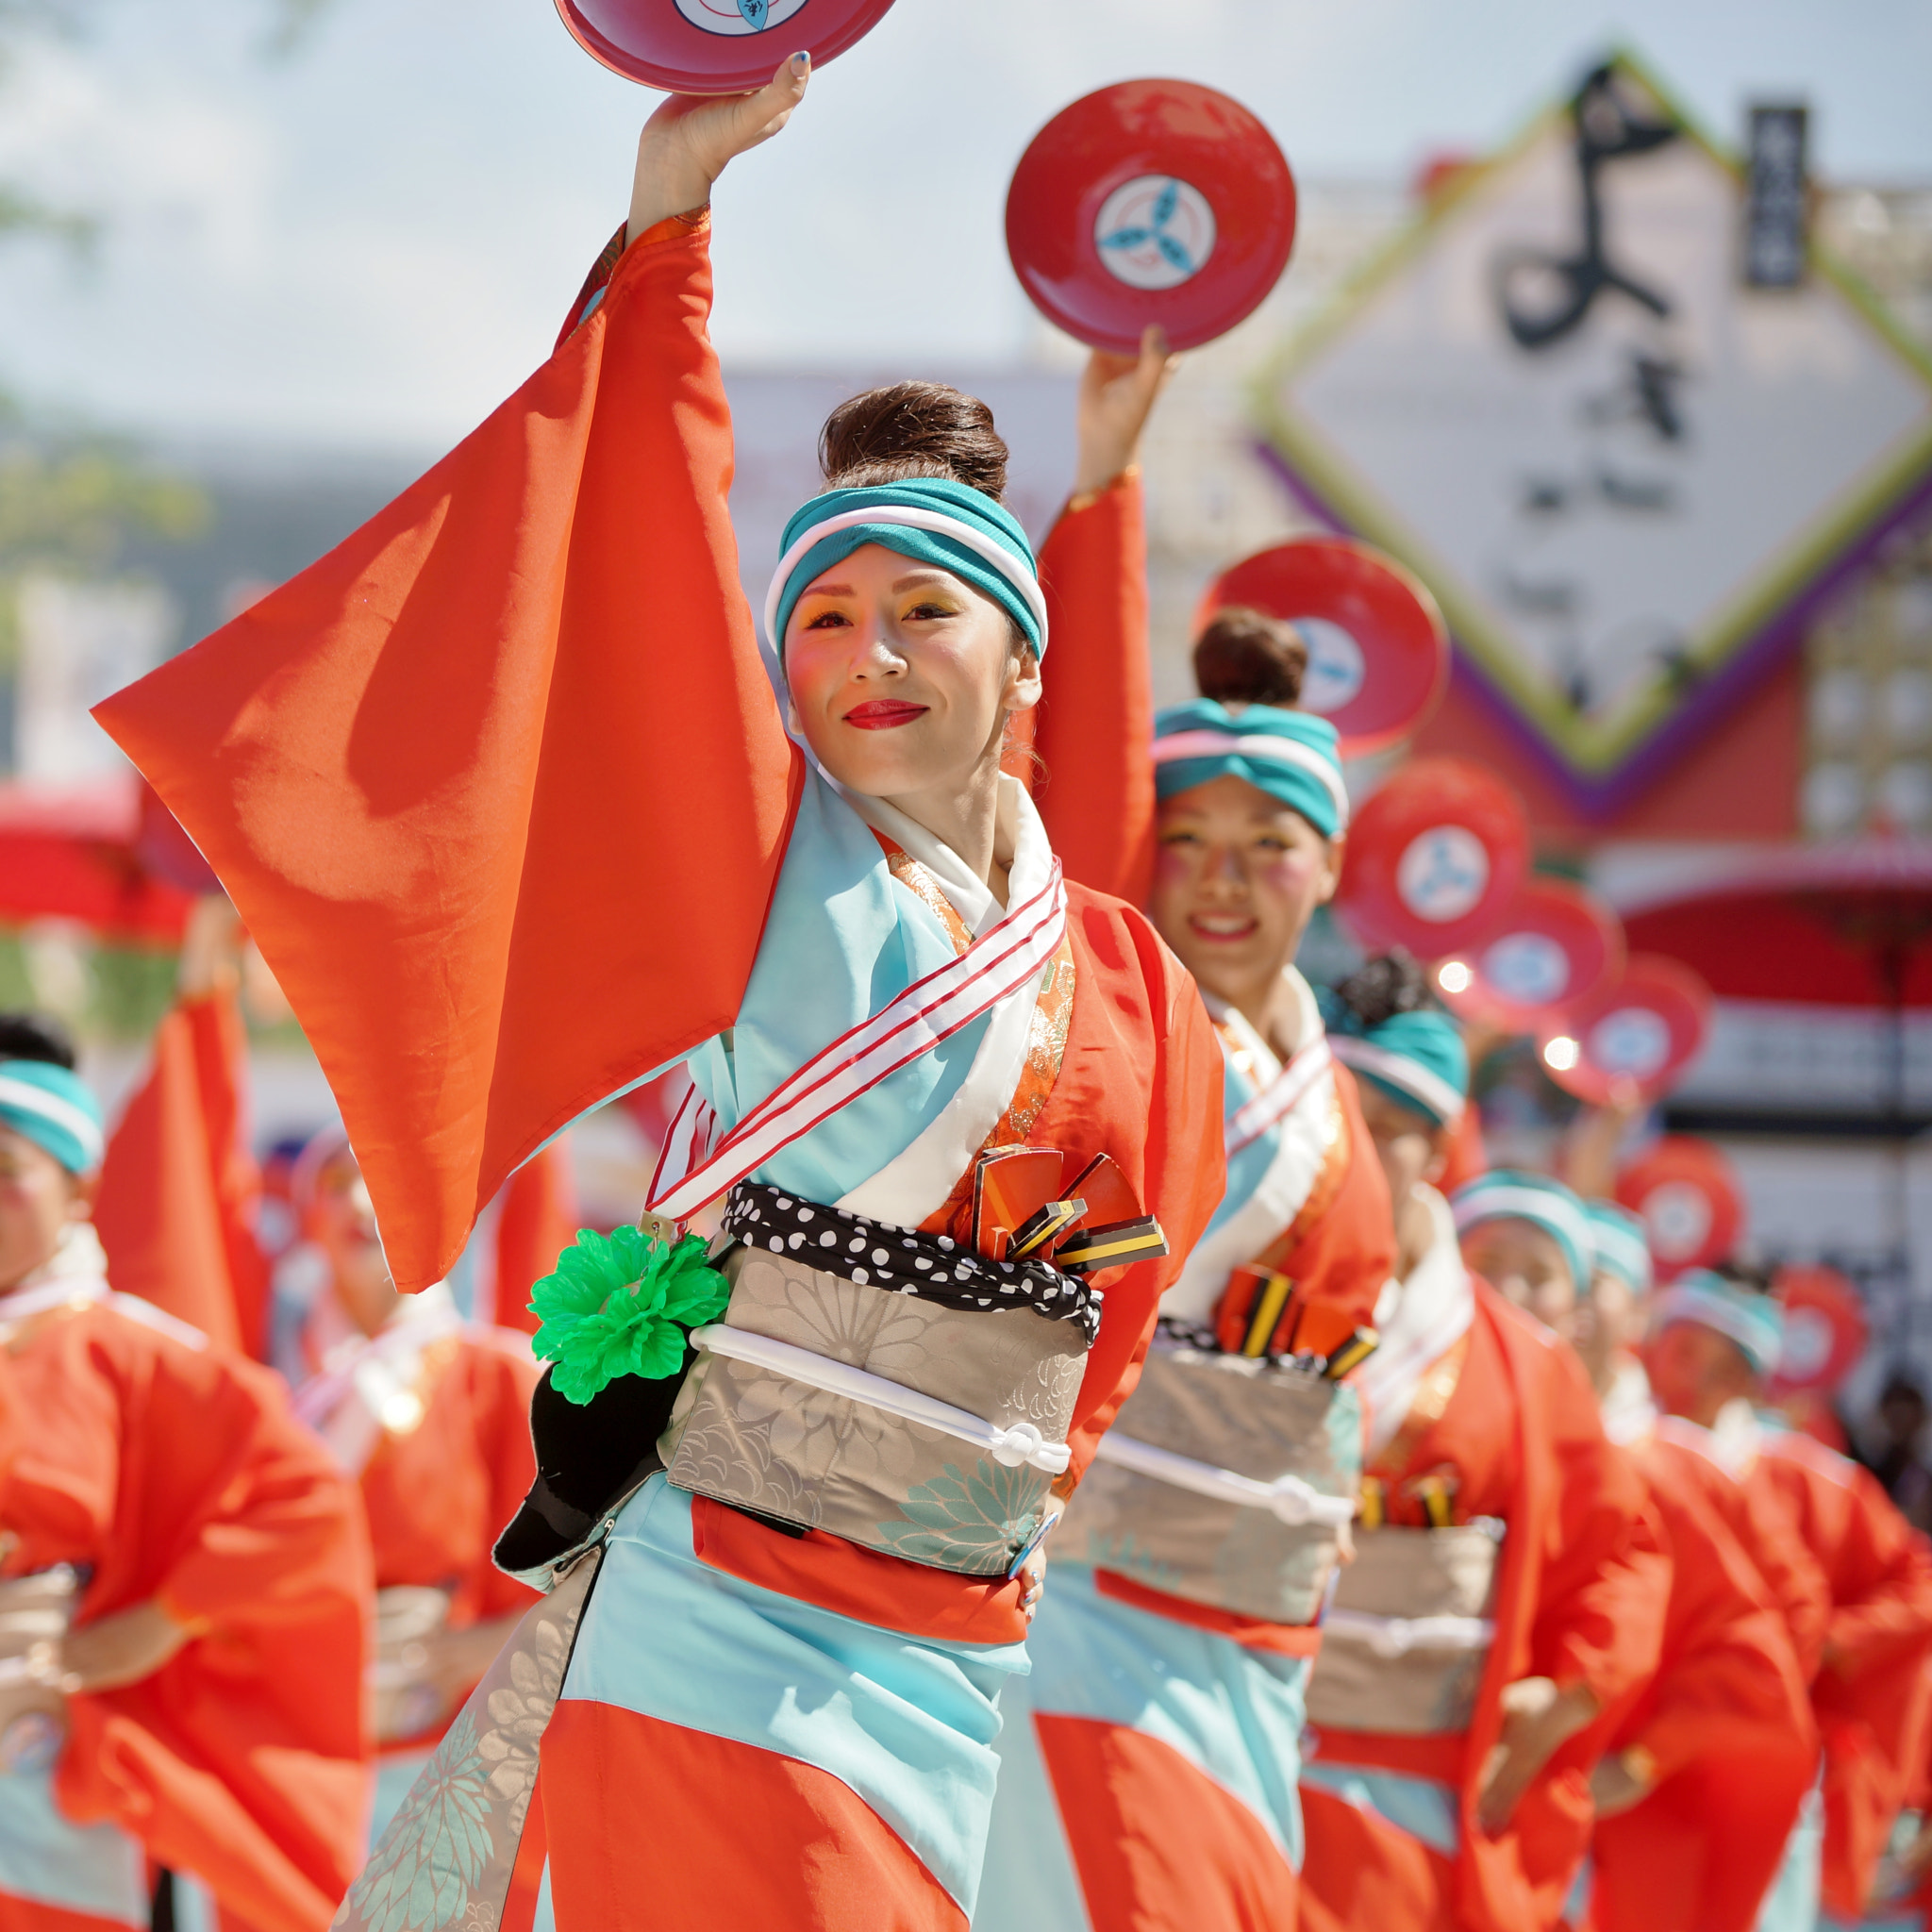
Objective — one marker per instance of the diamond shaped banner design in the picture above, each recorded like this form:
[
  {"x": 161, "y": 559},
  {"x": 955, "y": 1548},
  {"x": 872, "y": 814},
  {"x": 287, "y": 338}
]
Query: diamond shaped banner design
[{"x": 1615, "y": 464}]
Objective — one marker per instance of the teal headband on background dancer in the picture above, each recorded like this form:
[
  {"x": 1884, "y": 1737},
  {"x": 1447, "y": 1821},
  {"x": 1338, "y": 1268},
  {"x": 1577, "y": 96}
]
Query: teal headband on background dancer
[
  {"x": 1620, "y": 1245},
  {"x": 1506, "y": 1193},
  {"x": 55, "y": 1110},
  {"x": 1417, "y": 1058},
  {"x": 1291, "y": 756},
  {"x": 1754, "y": 1322},
  {"x": 933, "y": 520}
]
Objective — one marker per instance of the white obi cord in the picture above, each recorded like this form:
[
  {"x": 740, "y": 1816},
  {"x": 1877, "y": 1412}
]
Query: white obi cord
[
  {"x": 1013, "y": 1446},
  {"x": 1288, "y": 1497},
  {"x": 1394, "y": 1637}
]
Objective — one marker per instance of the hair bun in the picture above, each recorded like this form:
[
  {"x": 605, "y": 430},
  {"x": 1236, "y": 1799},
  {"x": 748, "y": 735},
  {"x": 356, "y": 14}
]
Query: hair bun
[
  {"x": 1247, "y": 657},
  {"x": 913, "y": 429},
  {"x": 1380, "y": 988}
]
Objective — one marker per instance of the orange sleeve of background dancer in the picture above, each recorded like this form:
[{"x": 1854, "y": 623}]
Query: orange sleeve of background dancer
[
  {"x": 1606, "y": 1579},
  {"x": 1094, "y": 725},
  {"x": 499, "y": 785},
  {"x": 221, "y": 1065},
  {"x": 1728, "y": 1679},
  {"x": 180, "y": 1477},
  {"x": 1887, "y": 1614},
  {"x": 1871, "y": 1695},
  {"x": 174, "y": 1199}
]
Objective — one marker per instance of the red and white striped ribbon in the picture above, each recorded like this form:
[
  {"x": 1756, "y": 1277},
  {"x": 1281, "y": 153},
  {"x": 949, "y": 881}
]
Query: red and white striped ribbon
[
  {"x": 692, "y": 1171},
  {"x": 1280, "y": 1097}
]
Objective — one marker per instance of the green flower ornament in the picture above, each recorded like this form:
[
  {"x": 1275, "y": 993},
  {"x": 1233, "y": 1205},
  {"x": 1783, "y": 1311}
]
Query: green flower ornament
[{"x": 618, "y": 1303}]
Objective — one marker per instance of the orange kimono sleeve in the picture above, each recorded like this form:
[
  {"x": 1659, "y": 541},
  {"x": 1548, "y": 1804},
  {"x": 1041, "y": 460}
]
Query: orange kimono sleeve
[
  {"x": 1606, "y": 1579},
  {"x": 1890, "y": 1618},
  {"x": 1096, "y": 794},
  {"x": 1727, "y": 1682},
  {"x": 180, "y": 1477},
  {"x": 178, "y": 1186},
  {"x": 445, "y": 772},
  {"x": 1873, "y": 1694}
]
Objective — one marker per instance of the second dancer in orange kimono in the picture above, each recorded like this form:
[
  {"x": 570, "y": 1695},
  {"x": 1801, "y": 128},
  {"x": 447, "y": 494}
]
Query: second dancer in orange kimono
[{"x": 1148, "y": 1777}]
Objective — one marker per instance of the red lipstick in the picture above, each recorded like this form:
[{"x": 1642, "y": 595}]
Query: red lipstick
[{"x": 884, "y": 714}]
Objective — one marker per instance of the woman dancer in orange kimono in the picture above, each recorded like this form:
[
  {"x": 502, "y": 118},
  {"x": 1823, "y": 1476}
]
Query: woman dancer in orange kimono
[
  {"x": 430, "y": 1414},
  {"x": 554, "y": 839},
  {"x": 1508, "y": 1589},
  {"x": 1154, "y": 1784},
  {"x": 1701, "y": 1784},
  {"x": 1718, "y": 1338},
  {"x": 159, "y": 1505}
]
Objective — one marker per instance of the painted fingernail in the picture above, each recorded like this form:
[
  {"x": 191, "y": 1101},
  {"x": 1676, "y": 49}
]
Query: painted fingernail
[{"x": 801, "y": 64}]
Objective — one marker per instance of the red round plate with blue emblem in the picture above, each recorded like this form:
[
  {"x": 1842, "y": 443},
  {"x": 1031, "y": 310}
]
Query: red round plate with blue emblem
[
  {"x": 1434, "y": 857},
  {"x": 1553, "y": 947},
  {"x": 1155, "y": 201},
  {"x": 715, "y": 46},
  {"x": 1826, "y": 1330},
  {"x": 1378, "y": 650},
  {"x": 1646, "y": 1025},
  {"x": 1687, "y": 1195}
]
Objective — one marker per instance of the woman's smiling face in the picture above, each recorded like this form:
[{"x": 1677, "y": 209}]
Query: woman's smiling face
[
  {"x": 901, "y": 675},
  {"x": 1237, "y": 878}
]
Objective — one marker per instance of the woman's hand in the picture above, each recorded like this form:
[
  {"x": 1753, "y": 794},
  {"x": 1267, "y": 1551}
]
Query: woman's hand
[
  {"x": 1538, "y": 1717},
  {"x": 1032, "y": 1581},
  {"x": 1117, "y": 396},
  {"x": 688, "y": 142},
  {"x": 1619, "y": 1783},
  {"x": 120, "y": 1649}
]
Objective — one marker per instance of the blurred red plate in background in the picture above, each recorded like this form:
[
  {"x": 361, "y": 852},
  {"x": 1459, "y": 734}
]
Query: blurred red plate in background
[
  {"x": 715, "y": 46},
  {"x": 1433, "y": 859},
  {"x": 1554, "y": 945},
  {"x": 1684, "y": 1192},
  {"x": 1826, "y": 1330},
  {"x": 1155, "y": 201},
  {"x": 1378, "y": 650},
  {"x": 1647, "y": 1026}
]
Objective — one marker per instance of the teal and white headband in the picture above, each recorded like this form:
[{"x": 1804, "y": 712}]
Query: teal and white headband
[
  {"x": 1268, "y": 749},
  {"x": 1437, "y": 1097},
  {"x": 1618, "y": 1242},
  {"x": 1506, "y": 1194},
  {"x": 54, "y": 1108},
  {"x": 1752, "y": 1320},
  {"x": 948, "y": 524}
]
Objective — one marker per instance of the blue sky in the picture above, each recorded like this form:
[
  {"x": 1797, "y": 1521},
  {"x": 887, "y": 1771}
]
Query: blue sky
[{"x": 374, "y": 242}]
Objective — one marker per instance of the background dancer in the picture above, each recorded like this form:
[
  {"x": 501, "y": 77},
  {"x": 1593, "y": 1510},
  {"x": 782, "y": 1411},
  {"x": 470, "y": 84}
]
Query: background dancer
[
  {"x": 1701, "y": 1784},
  {"x": 1718, "y": 1338},
  {"x": 430, "y": 1415},
  {"x": 791, "y": 1660},
  {"x": 205, "y": 1713},
  {"x": 1155, "y": 1784},
  {"x": 1452, "y": 1789}
]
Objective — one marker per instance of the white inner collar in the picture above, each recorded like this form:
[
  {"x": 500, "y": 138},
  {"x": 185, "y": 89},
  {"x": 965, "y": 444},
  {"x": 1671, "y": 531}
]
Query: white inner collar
[{"x": 1017, "y": 831}]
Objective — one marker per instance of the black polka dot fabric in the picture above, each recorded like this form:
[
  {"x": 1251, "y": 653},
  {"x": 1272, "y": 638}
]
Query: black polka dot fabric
[{"x": 902, "y": 1262}]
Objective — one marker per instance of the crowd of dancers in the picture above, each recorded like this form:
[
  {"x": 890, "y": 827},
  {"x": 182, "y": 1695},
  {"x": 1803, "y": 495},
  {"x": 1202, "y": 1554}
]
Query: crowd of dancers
[{"x": 1080, "y": 1436}]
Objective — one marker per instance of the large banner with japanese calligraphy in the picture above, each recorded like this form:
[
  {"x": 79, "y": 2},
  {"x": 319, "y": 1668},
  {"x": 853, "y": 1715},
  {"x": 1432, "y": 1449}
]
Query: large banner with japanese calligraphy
[{"x": 1562, "y": 400}]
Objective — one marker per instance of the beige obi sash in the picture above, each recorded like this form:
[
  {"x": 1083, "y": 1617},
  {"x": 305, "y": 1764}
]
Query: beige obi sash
[
  {"x": 34, "y": 1612},
  {"x": 411, "y": 1623},
  {"x": 1404, "y": 1646},
  {"x": 888, "y": 1387},
  {"x": 1226, "y": 1481}
]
